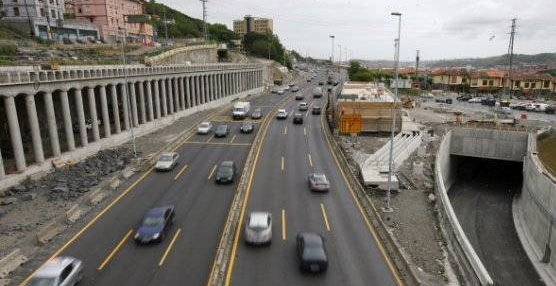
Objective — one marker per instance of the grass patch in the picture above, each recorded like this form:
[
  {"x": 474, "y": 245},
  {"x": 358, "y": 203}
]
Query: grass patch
[{"x": 546, "y": 145}]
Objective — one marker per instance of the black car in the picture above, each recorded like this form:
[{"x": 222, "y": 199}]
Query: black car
[
  {"x": 298, "y": 118},
  {"x": 311, "y": 252},
  {"x": 155, "y": 224},
  {"x": 226, "y": 172},
  {"x": 316, "y": 109},
  {"x": 257, "y": 114},
  {"x": 321, "y": 82},
  {"x": 247, "y": 127},
  {"x": 308, "y": 80},
  {"x": 222, "y": 131},
  {"x": 299, "y": 96},
  {"x": 464, "y": 97}
]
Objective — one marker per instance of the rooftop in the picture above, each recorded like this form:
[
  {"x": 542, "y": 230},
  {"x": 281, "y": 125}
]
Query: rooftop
[{"x": 365, "y": 92}]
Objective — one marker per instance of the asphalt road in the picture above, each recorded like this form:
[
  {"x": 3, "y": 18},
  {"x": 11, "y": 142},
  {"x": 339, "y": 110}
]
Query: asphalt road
[
  {"x": 482, "y": 198},
  {"x": 290, "y": 152},
  {"x": 186, "y": 255}
]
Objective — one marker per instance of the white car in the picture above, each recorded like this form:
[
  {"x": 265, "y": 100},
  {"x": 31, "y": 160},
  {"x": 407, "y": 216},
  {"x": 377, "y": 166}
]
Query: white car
[
  {"x": 204, "y": 128},
  {"x": 282, "y": 114},
  {"x": 280, "y": 92},
  {"x": 475, "y": 100},
  {"x": 303, "y": 106},
  {"x": 62, "y": 271},
  {"x": 167, "y": 161},
  {"x": 258, "y": 229}
]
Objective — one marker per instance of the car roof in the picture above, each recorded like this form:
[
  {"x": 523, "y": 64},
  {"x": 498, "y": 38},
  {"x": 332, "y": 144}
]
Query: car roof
[
  {"x": 311, "y": 238},
  {"x": 167, "y": 153},
  {"x": 227, "y": 163},
  {"x": 223, "y": 126},
  {"x": 54, "y": 266},
  {"x": 258, "y": 218},
  {"x": 298, "y": 115},
  {"x": 303, "y": 103},
  {"x": 205, "y": 122},
  {"x": 281, "y": 110},
  {"x": 158, "y": 210}
]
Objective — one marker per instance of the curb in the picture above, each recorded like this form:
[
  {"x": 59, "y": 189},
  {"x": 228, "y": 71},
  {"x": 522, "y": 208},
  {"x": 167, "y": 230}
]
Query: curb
[{"x": 11, "y": 262}]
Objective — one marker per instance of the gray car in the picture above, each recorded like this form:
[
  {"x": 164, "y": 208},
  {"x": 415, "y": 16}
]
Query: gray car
[
  {"x": 258, "y": 228},
  {"x": 59, "y": 271}
]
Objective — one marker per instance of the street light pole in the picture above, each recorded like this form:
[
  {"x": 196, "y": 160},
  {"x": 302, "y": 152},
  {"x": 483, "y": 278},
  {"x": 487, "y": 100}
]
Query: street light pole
[
  {"x": 128, "y": 100},
  {"x": 332, "y": 52},
  {"x": 388, "y": 207}
]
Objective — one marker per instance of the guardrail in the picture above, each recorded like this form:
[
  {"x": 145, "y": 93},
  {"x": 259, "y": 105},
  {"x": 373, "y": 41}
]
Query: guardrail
[
  {"x": 473, "y": 268},
  {"x": 99, "y": 72}
]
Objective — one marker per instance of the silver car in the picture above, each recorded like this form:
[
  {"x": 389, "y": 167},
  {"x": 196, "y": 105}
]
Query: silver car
[
  {"x": 167, "y": 161},
  {"x": 59, "y": 271},
  {"x": 258, "y": 229}
]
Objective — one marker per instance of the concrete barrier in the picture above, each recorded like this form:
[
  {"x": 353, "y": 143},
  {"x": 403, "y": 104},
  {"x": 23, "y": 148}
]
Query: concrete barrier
[
  {"x": 11, "y": 262},
  {"x": 444, "y": 174},
  {"x": 73, "y": 214},
  {"x": 47, "y": 232},
  {"x": 96, "y": 196},
  {"x": 114, "y": 183}
]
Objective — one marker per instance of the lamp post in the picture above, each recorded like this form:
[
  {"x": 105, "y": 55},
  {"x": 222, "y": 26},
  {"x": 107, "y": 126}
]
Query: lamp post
[
  {"x": 332, "y": 52},
  {"x": 128, "y": 100},
  {"x": 388, "y": 207}
]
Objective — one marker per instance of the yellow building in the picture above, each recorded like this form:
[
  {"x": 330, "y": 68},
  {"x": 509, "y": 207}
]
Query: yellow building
[{"x": 253, "y": 24}]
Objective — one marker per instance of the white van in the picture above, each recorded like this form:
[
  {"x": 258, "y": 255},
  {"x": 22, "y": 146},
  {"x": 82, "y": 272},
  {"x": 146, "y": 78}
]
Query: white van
[
  {"x": 241, "y": 110},
  {"x": 317, "y": 92}
]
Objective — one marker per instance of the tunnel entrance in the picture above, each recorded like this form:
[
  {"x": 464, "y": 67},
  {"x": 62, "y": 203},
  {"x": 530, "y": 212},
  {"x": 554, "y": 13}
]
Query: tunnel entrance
[{"x": 482, "y": 197}]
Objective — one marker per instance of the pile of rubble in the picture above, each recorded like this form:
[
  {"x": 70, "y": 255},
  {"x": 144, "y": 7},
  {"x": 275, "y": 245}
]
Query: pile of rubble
[{"x": 71, "y": 182}]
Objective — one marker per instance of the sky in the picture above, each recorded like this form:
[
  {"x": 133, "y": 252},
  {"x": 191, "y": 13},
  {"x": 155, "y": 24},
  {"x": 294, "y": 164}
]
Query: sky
[{"x": 365, "y": 29}]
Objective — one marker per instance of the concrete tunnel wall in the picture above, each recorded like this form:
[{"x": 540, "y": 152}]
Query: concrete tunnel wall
[
  {"x": 489, "y": 143},
  {"x": 535, "y": 213}
]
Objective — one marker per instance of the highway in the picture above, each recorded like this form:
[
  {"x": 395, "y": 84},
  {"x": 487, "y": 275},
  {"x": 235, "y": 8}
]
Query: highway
[
  {"x": 186, "y": 255},
  {"x": 106, "y": 246},
  {"x": 290, "y": 152}
]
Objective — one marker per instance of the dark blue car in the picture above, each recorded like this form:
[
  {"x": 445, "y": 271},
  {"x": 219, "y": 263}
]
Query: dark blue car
[{"x": 155, "y": 224}]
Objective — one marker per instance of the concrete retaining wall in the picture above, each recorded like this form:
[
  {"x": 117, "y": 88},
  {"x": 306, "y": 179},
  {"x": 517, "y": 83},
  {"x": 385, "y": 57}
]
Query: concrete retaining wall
[
  {"x": 194, "y": 54},
  {"x": 489, "y": 143},
  {"x": 445, "y": 175},
  {"x": 535, "y": 213}
]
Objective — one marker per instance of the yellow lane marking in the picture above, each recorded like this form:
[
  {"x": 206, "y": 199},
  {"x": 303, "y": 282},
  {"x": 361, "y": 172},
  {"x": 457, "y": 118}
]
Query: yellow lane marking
[
  {"x": 211, "y": 137},
  {"x": 283, "y": 224},
  {"x": 113, "y": 252},
  {"x": 282, "y": 164},
  {"x": 325, "y": 217},
  {"x": 180, "y": 172},
  {"x": 218, "y": 143},
  {"x": 212, "y": 172},
  {"x": 367, "y": 222},
  {"x": 233, "y": 138},
  {"x": 310, "y": 160},
  {"x": 232, "y": 256},
  {"x": 286, "y": 130},
  {"x": 169, "y": 247}
]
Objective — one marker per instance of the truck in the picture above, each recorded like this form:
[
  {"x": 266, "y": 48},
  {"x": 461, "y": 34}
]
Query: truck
[{"x": 241, "y": 110}]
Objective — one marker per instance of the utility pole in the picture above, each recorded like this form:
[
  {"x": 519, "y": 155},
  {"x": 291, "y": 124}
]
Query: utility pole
[
  {"x": 165, "y": 27},
  {"x": 417, "y": 66},
  {"x": 205, "y": 30},
  {"x": 340, "y": 58},
  {"x": 332, "y": 53},
  {"x": 511, "y": 58}
]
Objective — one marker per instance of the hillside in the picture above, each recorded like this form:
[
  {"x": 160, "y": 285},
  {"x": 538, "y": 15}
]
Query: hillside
[{"x": 185, "y": 26}]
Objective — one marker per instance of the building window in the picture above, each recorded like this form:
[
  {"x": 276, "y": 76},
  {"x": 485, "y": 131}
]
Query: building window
[
  {"x": 42, "y": 12},
  {"x": 53, "y": 12},
  {"x": 16, "y": 11},
  {"x": 79, "y": 11},
  {"x": 533, "y": 85},
  {"x": 14, "y": 1},
  {"x": 546, "y": 84},
  {"x": 517, "y": 83},
  {"x": 526, "y": 85},
  {"x": 491, "y": 82},
  {"x": 485, "y": 82}
]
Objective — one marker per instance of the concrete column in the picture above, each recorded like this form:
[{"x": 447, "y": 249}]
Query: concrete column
[
  {"x": 226, "y": 84},
  {"x": 34, "y": 126},
  {"x": 2, "y": 171},
  {"x": 15, "y": 133},
  {"x": 142, "y": 108},
  {"x": 104, "y": 112},
  {"x": 133, "y": 98},
  {"x": 163, "y": 97},
  {"x": 195, "y": 88},
  {"x": 170, "y": 93},
  {"x": 125, "y": 101},
  {"x": 238, "y": 88},
  {"x": 81, "y": 117},
  {"x": 202, "y": 84},
  {"x": 210, "y": 85},
  {"x": 183, "y": 106},
  {"x": 68, "y": 128},
  {"x": 157, "y": 98},
  {"x": 187, "y": 91},
  {"x": 176, "y": 95},
  {"x": 115, "y": 109},
  {"x": 51, "y": 122},
  {"x": 150, "y": 101},
  {"x": 93, "y": 113},
  {"x": 218, "y": 86}
]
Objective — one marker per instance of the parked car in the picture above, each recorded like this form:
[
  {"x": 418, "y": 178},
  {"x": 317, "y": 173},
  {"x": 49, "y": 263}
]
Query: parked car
[
  {"x": 226, "y": 172},
  {"x": 550, "y": 110},
  {"x": 258, "y": 228},
  {"x": 59, "y": 271},
  {"x": 295, "y": 88},
  {"x": 303, "y": 106},
  {"x": 321, "y": 82},
  {"x": 281, "y": 91},
  {"x": 167, "y": 161},
  {"x": 299, "y": 96},
  {"x": 204, "y": 128},
  {"x": 257, "y": 114},
  {"x": 316, "y": 109},
  {"x": 155, "y": 225},
  {"x": 247, "y": 127},
  {"x": 222, "y": 131},
  {"x": 318, "y": 182},
  {"x": 275, "y": 90},
  {"x": 464, "y": 97},
  {"x": 311, "y": 252},
  {"x": 298, "y": 118},
  {"x": 475, "y": 100},
  {"x": 282, "y": 114}
]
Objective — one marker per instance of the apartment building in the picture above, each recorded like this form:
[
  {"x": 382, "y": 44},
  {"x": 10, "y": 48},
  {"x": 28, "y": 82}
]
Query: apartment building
[
  {"x": 253, "y": 24},
  {"x": 111, "y": 18}
]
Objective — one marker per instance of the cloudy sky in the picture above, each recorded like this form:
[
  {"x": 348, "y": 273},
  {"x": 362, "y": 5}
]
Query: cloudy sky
[{"x": 440, "y": 29}]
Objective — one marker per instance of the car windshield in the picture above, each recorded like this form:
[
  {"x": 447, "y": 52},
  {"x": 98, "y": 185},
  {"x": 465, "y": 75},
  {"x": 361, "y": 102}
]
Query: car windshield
[
  {"x": 225, "y": 171},
  {"x": 166, "y": 158},
  {"x": 153, "y": 220},
  {"x": 204, "y": 125},
  {"x": 222, "y": 128},
  {"x": 258, "y": 222},
  {"x": 43, "y": 281},
  {"x": 246, "y": 125},
  {"x": 321, "y": 180}
]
